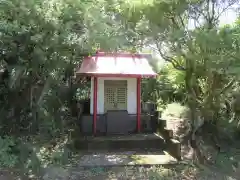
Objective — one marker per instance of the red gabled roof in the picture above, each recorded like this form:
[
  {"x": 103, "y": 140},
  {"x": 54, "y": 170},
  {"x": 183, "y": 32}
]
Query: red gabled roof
[{"x": 116, "y": 65}]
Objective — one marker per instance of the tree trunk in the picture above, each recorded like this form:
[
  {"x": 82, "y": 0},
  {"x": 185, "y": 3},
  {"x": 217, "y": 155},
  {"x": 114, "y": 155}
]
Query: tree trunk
[{"x": 196, "y": 123}]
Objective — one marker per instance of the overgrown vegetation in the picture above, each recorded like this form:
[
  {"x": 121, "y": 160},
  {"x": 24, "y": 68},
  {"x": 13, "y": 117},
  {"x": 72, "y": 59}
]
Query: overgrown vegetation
[
  {"x": 205, "y": 57},
  {"x": 42, "y": 42}
]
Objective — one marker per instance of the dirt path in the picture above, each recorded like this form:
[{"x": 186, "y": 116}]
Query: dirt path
[
  {"x": 74, "y": 171},
  {"x": 139, "y": 173}
]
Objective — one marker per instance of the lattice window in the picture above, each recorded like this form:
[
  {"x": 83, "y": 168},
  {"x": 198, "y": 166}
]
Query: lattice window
[
  {"x": 115, "y": 94},
  {"x": 122, "y": 95},
  {"x": 110, "y": 95}
]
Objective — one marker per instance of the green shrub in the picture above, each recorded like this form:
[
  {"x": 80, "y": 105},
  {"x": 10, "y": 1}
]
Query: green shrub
[{"x": 7, "y": 157}]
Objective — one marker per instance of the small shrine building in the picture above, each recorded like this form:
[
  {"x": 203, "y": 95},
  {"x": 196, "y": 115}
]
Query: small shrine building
[{"x": 115, "y": 96}]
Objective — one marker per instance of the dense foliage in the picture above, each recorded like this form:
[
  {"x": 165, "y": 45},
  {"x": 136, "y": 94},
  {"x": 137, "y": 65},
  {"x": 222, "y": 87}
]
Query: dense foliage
[
  {"x": 42, "y": 42},
  {"x": 207, "y": 54}
]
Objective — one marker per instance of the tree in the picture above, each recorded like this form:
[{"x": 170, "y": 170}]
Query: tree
[
  {"x": 41, "y": 44},
  {"x": 207, "y": 54}
]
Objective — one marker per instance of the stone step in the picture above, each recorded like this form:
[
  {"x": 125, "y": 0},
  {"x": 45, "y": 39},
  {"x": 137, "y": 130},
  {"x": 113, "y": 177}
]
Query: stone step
[
  {"x": 123, "y": 142},
  {"x": 125, "y": 158}
]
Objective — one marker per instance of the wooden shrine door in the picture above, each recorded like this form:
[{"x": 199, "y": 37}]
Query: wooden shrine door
[{"x": 115, "y": 95}]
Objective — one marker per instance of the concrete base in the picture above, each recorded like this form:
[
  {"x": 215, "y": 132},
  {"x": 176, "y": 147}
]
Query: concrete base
[
  {"x": 120, "y": 142},
  {"x": 122, "y": 150},
  {"x": 112, "y": 125},
  {"x": 116, "y": 122}
]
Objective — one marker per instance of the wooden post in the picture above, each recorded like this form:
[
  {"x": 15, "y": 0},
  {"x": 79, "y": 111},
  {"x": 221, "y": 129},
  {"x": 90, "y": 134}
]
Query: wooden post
[
  {"x": 95, "y": 89},
  {"x": 139, "y": 105}
]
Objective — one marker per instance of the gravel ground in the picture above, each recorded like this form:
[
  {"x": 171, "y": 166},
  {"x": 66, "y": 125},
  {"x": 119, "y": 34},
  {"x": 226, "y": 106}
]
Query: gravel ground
[
  {"x": 112, "y": 173},
  {"x": 137, "y": 173}
]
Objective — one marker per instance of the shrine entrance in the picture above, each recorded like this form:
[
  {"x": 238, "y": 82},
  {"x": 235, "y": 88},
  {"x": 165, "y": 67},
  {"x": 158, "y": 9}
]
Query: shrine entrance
[{"x": 115, "y": 95}]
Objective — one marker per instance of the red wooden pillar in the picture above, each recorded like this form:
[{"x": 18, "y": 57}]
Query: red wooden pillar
[
  {"x": 95, "y": 89},
  {"x": 139, "y": 105}
]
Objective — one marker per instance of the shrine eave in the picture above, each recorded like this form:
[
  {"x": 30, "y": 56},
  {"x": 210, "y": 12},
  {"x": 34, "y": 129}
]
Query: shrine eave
[
  {"x": 118, "y": 75},
  {"x": 116, "y": 65}
]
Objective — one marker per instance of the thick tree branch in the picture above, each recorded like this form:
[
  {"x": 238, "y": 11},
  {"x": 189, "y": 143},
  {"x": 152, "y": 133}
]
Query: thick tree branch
[
  {"x": 198, "y": 13},
  {"x": 229, "y": 85},
  {"x": 182, "y": 21},
  {"x": 175, "y": 64},
  {"x": 226, "y": 8}
]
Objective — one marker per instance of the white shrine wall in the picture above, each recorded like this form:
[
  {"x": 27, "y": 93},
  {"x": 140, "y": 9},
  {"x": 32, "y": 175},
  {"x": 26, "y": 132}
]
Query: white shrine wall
[{"x": 131, "y": 94}]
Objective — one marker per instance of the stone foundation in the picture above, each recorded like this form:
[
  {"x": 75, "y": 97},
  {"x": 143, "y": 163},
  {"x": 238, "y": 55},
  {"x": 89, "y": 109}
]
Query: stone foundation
[{"x": 116, "y": 122}]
